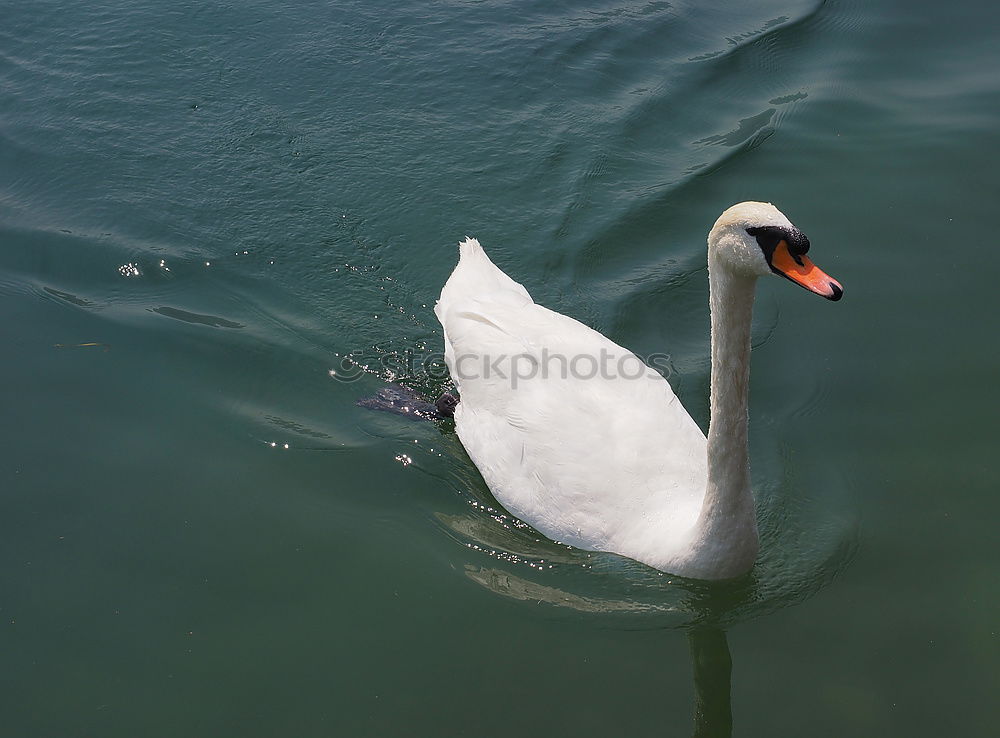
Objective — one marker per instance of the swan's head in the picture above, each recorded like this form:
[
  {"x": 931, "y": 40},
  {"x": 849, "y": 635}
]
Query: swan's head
[{"x": 755, "y": 238}]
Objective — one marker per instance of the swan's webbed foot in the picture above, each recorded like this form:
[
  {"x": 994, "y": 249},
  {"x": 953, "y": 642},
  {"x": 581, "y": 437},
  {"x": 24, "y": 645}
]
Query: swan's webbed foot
[
  {"x": 401, "y": 400},
  {"x": 446, "y": 405}
]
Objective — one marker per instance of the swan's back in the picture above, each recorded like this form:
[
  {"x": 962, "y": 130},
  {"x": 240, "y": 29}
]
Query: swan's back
[{"x": 572, "y": 432}]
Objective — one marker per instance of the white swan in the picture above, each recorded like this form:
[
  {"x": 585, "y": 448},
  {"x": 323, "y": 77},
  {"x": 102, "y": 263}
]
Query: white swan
[{"x": 576, "y": 436}]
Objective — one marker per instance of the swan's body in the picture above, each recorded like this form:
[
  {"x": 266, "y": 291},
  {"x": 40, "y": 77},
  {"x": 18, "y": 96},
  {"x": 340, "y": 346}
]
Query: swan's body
[{"x": 576, "y": 436}]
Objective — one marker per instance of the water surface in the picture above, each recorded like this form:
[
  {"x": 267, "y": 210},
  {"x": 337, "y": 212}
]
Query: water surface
[{"x": 205, "y": 209}]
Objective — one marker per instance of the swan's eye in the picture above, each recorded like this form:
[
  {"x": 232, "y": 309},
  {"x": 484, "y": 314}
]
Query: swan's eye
[{"x": 798, "y": 244}]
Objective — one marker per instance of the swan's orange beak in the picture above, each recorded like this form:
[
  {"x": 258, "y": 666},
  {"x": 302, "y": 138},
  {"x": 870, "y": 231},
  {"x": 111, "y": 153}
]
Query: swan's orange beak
[{"x": 802, "y": 271}]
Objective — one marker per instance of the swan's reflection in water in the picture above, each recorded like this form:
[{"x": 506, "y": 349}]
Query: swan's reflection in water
[
  {"x": 713, "y": 665},
  {"x": 710, "y": 657},
  {"x": 806, "y": 540}
]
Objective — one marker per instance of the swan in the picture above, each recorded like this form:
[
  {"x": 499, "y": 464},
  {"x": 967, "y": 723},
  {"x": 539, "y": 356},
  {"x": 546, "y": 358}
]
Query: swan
[{"x": 578, "y": 437}]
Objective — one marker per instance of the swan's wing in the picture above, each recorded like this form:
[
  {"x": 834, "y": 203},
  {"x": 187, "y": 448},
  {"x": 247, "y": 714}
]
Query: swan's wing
[{"x": 571, "y": 432}]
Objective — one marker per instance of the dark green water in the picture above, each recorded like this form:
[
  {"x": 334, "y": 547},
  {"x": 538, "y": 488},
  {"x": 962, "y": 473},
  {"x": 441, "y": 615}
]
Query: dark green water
[{"x": 204, "y": 208}]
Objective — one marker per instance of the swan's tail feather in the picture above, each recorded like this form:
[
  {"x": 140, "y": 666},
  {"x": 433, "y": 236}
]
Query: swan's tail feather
[
  {"x": 470, "y": 248},
  {"x": 478, "y": 278}
]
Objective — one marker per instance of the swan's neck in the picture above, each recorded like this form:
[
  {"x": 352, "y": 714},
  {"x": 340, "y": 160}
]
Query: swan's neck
[{"x": 726, "y": 531}]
